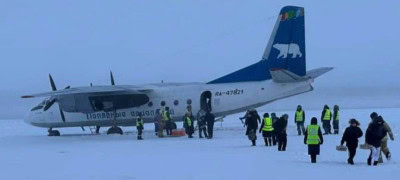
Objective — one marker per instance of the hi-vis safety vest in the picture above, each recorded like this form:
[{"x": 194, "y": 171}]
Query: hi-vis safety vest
[
  {"x": 165, "y": 116},
  {"x": 267, "y": 124},
  {"x": 189, "y": 121},
  {"x": 299, "y": 116},
  {"x": 139, "y": 122},
  {"x": 327, "y": 115},
  {"x": 312, "y": 135},
  {"x": 337, "y": 116}
]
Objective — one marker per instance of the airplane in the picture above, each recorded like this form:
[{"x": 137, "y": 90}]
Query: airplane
[{"x": 281, "y": 73}]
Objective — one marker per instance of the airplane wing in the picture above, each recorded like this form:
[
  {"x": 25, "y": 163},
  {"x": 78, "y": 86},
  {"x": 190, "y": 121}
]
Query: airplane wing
[{"x": 93, "y": 90}]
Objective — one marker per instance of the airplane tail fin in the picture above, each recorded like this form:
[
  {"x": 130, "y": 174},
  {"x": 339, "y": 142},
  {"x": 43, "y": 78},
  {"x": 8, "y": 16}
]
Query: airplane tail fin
[{"x": 285, "y": 50}]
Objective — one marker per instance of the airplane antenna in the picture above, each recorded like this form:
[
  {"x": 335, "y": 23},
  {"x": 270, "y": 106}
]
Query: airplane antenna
[{"x": 112, "y": 79}]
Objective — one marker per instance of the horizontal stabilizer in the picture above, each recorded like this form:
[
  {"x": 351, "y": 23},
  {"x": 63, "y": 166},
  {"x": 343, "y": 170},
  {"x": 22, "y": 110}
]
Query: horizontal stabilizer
[
  {"x": 318, "y": 72},
  {"x": 285, "y": 76}
]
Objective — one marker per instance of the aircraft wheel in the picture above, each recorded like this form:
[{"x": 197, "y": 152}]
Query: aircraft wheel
[
  {"x": 54, "y": 133},
  {"x": 115, "y": 130}
]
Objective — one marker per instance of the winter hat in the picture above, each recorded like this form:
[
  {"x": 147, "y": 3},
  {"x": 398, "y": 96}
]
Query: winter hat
[
  {"x": 314, "y": 120},
  {"x": 266, "y": 115},
  {"x": 373, "y": 115},
  {"x": 354, "y": 121}
]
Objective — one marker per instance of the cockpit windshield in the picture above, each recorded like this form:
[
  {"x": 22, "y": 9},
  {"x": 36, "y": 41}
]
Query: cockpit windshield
[{"x": 40, "y": 106}]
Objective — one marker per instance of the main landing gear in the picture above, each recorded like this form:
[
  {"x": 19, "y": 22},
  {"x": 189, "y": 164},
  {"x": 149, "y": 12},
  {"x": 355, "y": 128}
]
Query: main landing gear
[
  {"x": 115, "y": 130},
  {"x": 53, "y": 132}
]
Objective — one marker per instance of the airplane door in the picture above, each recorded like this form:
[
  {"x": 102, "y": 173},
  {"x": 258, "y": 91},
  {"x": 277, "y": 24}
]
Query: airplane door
[{"x": 205, "y": 101}]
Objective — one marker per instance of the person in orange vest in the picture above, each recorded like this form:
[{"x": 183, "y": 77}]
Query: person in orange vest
[
  {"x": 267, "y": 129},
  {"x": 313, "y": 138}
]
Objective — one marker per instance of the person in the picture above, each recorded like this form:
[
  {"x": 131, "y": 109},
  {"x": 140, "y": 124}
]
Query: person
[
  {"x": 299, "y": 118},
  {"x": 139, "y": 126},
  {"x": 274, "y": 120},
  {"x": 210, "y": 120},
  {"x": 267, "y": 129},
  {"x": 188, "y": 124},
  {"x": 161, "y": 123},
  {"x": 201, "y": 123},
  {"x": 384, "y": 148},
  {"x": 374, "y": 135},
  {"x": 326, "y": 119},
  {"x": 252, "y": 126},
  {"x": 280, "y": 130},
  {"x": 314, "y": 139},
  {"x": 336, "y": 119},
  {"x": 350, "y": 137},
  {"x": 167, "y": 121},
  {"x": 245, "y": 116}
]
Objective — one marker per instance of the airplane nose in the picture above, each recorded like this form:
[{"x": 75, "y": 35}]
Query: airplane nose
[{"x": 28, "y": 118}]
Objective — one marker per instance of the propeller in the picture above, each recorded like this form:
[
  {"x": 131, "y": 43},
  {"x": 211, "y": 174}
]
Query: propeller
[{"x": 51, "y": 102}]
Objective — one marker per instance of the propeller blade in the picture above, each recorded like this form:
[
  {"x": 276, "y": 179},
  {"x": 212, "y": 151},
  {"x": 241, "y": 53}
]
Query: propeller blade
[
  {"x": 112, "y": 79},
  {"x": 53, "y": 85},
  {"x": 49, "y": 104},
  {"x": 62, "y": 115}
]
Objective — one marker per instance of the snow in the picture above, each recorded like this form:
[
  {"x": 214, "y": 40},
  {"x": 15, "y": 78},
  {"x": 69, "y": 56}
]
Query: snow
[{"x": 27, "y": 153}]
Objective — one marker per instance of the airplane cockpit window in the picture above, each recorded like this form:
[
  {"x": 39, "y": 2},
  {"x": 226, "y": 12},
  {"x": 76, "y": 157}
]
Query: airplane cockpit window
[{"x": 40, "y": 106}]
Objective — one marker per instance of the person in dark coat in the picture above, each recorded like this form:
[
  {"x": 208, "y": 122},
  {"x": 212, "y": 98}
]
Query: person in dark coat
[
  {"x": 374, "y": 135},
  {"x": 280, "y": 130},
  {"x": 274, "y": 120},
  {"x": 201, "y": 123},
  {"x": 252, "y": 125},
  {"x": 313, "y": 138},
  {"x": 335, "y": 118},
  {"x": 210, "y": 120},
  {"x": 188, "y": 124},
  {"x": 350, "y": 136}
]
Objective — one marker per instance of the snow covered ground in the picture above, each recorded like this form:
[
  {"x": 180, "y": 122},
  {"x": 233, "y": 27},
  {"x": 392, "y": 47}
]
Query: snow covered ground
[{"x": 27, "y": 153}]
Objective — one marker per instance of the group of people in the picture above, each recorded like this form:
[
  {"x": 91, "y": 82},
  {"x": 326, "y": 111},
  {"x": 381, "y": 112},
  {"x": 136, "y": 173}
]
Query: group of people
[
  {"x": 272, "y": 128},
  {"x": 205, "y": 123},
  {"x": 164, "y": 121},
  {"x": 376, "y": 137}
]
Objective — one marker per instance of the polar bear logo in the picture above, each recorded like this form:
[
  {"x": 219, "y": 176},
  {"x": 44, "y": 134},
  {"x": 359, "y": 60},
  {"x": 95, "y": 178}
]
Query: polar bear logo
[{"x": 285, "y": 49}]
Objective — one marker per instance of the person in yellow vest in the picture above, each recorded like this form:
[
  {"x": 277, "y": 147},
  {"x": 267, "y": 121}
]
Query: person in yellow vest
[
  {"x": 299, "y": 118},
  {"x": 267, "y": 129},
  {"x": 188, "y": 124},
  {"x": 167, "y": 121},
  {"x": 326, "y": 117},
  {"x": 139, "y": 126},
  {"x": 336, "y": 119},
  {"x": 313, "y": 138}
]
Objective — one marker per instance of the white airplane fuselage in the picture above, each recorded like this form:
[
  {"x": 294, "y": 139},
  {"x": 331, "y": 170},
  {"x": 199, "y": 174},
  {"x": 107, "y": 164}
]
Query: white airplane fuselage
[{"x": 226, "y": 99}]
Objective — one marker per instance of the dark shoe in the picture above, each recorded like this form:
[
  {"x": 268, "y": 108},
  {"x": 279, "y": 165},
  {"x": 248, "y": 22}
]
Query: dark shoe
[
  {"x": 313, "y": 161},
  {"x": 369, "y": 161},
  {"x": 388, "y": 156},
  {"x": 375, "y": 163},
  {"x": 350, "y": 161}
]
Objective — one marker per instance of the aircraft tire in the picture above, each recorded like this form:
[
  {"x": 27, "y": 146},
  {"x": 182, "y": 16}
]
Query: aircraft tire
[{"x": 115, "y": 130}]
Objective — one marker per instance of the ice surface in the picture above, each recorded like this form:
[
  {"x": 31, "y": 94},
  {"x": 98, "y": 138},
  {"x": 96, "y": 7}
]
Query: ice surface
[{"x": 27, "y": 153}]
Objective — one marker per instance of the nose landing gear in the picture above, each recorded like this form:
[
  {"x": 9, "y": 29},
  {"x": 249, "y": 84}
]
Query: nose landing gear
[{"x": 53, "y": 132}]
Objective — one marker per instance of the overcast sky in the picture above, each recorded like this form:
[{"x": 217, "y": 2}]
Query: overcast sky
[{"x": 80, "y": 41}]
